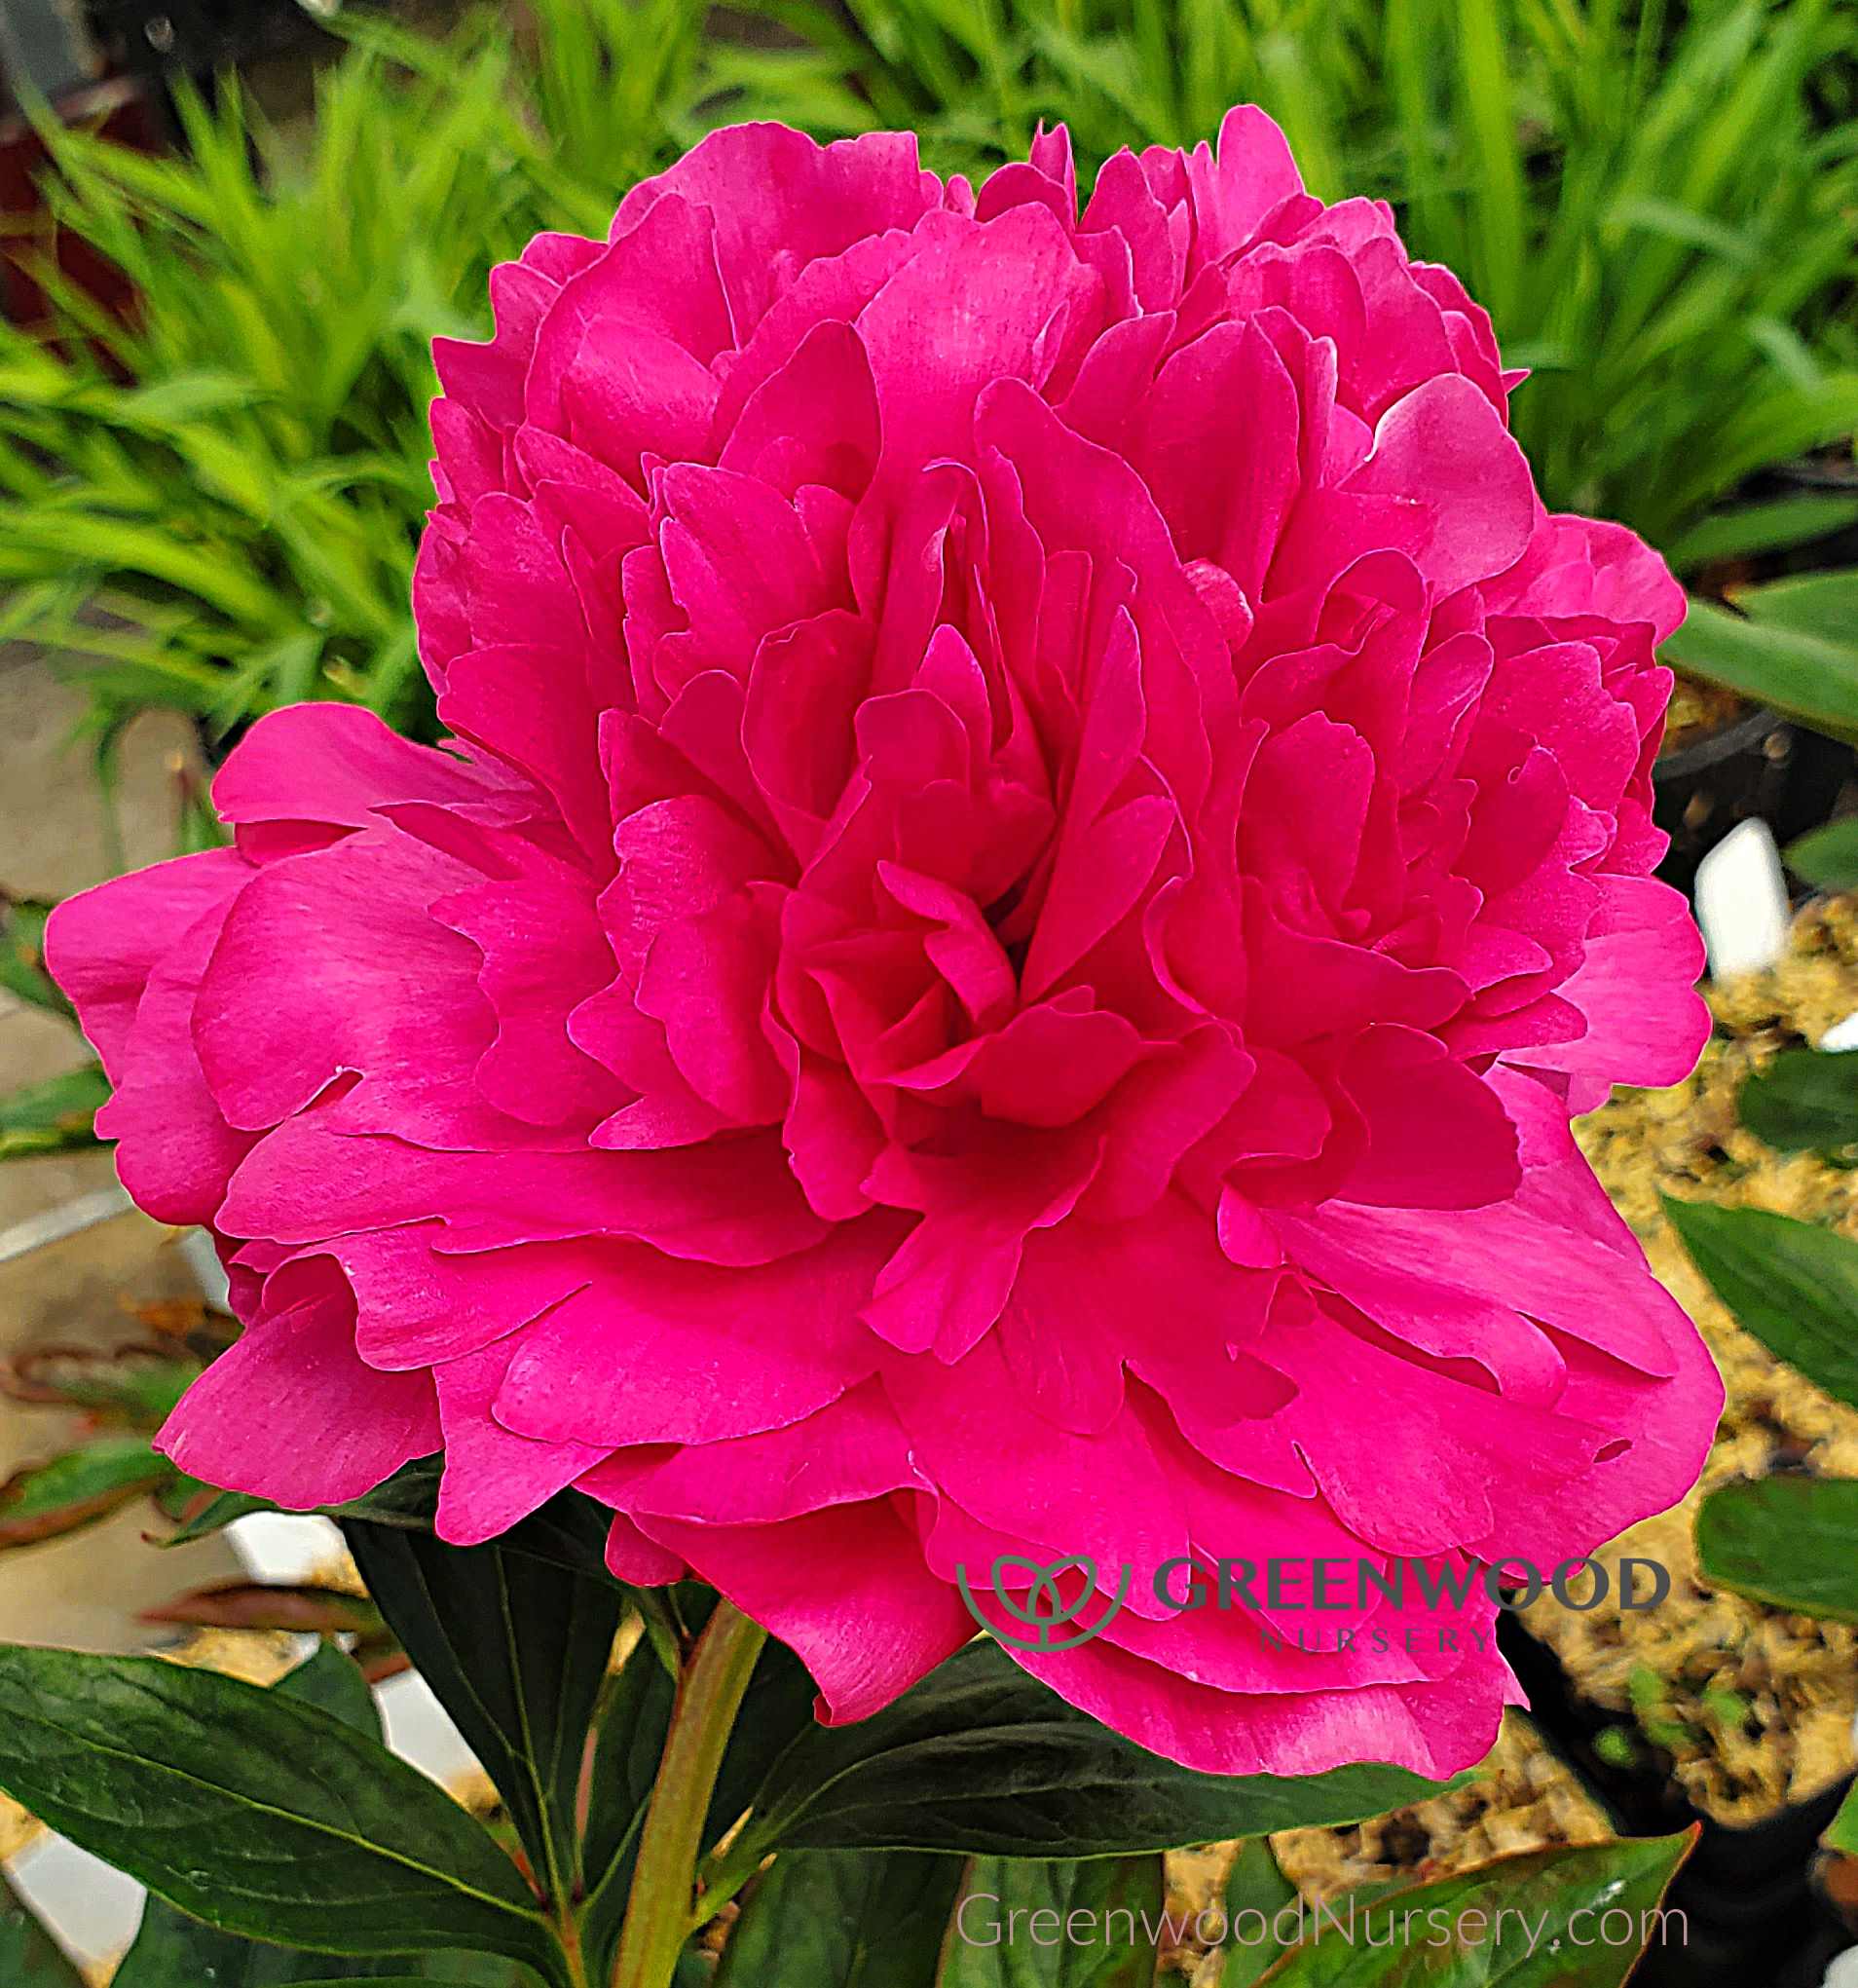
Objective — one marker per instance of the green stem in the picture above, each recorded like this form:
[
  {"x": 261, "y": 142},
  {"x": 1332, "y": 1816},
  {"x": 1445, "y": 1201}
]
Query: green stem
[
  {"x": 661, "y": 1904},
  {"x": 569, "y": 1934}
]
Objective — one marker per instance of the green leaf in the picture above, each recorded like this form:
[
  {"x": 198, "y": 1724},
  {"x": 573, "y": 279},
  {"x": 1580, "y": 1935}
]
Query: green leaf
[
  {"x": 1426, "y": 1934},
  {"x": 1057, "y": 1925},
  {"x": 1255, "y": 1885},
  {"x": 54, "y": 1116},
  {"x": 334, "y": 1683},
  {"x": 408, "y": 1499},
  {"x": 23, "y": 955},
  {"x": 1822, "y": 604},
  {"x": 78, "y": 1488},
  {"x": 1791, "y": 1542},
  {"x": 201, "y": 1956},
  {"x": 1807, "y": 1101},
  {"x": 516, "y": 1650},
  {"x": 258, "y": 1815},
  {"x": 174, "y": 1951},
  {"x": 1828, "y": 857},
  {"x": 1762, "y": 528},
  {"x": 983, "y": 1759},
  {"x": 569, "y": 1531},
  {"x": 1805, "y": 675},
  {"x": 134, "y": 1382},
  {"x": 216, "y": 1515},
  {"x": 1791, "y": 1284},
  {"x": 826, "y": 1919},
  {"x": 29, "y": 1956}
]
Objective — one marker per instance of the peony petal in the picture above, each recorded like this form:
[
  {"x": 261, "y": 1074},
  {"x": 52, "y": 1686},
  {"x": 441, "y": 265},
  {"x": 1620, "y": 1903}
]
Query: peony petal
[
  {"x": 1645, "y": 935},
  {"x": 310, "y": 1180},
  {"x": 103, "y": 944},
  {"x": 1426, "y": 1727},
  {"x": 977, "y": 303},
  {"x": 850, "y": 1451},
  {"x": 175, "y": 1153},
  {"x": 332, "y": 1427},
  {"x": 845, "y": 1589},
  {"x": 662, "y": 1351},
  {"x": 335, "y": 763},
  {"x": 1445, "y": 448},
  {"x": 492, "y": 1477}
]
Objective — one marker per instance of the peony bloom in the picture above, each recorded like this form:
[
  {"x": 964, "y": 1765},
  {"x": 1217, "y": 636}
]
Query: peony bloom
[{"x": 1042, "y": 837}]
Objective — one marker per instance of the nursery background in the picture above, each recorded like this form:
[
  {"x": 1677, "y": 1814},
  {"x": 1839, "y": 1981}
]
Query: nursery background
[{"x": 232, "y": 230}]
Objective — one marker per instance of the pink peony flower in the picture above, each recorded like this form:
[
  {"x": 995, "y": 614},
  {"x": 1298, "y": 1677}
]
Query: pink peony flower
[{"x": 1043, "y": 837}]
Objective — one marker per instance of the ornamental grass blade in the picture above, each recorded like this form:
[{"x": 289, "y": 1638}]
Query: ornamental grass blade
[
  {"x": 1841, "y": 1833},
  {"x": 22, "y": 971},
  {"x": 1498, "y": 242},
  {"x": 57, "y": 1116},
  {"x": 516, "y": 1650},
  {"x": 844, "y": 1918},
  {"x": 981, "y": 1758},
  {"x": 1094, "y": 1923},
  {"x": 1791, "y": 1542},
  {"x": 1537, "y": 1921},
  {"x": 1822, "y": 604},
  {"x": 1773, "y": 527},
  {"x": 78, "y": 1488},
  {"x": 265, "y": 1606},
  {"x": 1791, "y": 1284},
  {"x": 260, "y": 1816}
]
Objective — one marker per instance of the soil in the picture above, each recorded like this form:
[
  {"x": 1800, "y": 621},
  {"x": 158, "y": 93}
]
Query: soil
[{"x": 1696, "y": 709}]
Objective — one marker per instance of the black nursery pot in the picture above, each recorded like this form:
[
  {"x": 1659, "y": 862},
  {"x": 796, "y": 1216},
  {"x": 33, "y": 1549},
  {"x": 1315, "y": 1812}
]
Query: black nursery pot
[
  {"x": 1751, "y": 1915},
  {"x": 1761, "y": 764},
  {"x": 164, "y": 38}
]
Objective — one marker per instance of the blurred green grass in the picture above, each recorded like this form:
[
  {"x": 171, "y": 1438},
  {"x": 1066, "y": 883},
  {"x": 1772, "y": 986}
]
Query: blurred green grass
[{"x": 218, "y": 505}]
